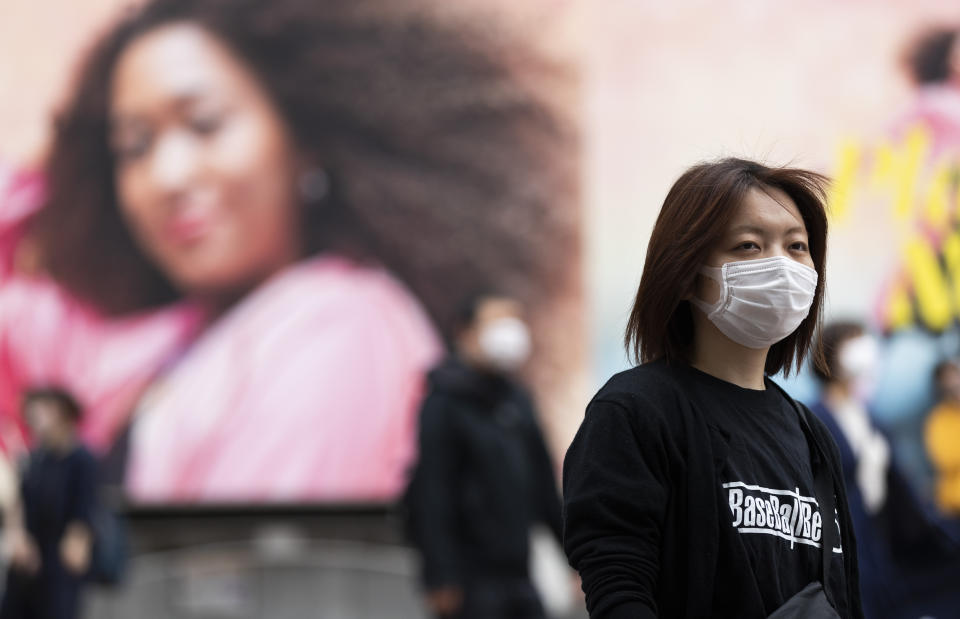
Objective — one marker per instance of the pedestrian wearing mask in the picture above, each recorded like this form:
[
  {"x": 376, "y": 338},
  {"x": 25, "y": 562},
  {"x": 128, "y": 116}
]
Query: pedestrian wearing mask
[
  {"x": 848, "y": 378},
  {"x": 695, "y": 486},
  {"x": 484, "y": 476},
  {"x": 908, "y": 565}
]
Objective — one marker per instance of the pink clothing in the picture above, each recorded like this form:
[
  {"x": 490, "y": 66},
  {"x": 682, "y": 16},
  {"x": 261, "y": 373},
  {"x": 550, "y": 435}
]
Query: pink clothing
[
  {"x": 306, "y": 390},
  {"x": 936, "y": 109}
]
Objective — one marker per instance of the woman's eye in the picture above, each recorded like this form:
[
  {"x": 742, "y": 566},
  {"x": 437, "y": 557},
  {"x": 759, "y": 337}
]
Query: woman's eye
[
  {"x": 206, "y": 124},
  {"x": 748, "y": 245},
  {"x": 131, "y": 148},
  {"x": 799, "y": 246}
]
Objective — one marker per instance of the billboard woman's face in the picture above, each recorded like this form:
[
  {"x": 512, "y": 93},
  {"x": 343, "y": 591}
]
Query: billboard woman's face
[{"x": 205, "y": 165}]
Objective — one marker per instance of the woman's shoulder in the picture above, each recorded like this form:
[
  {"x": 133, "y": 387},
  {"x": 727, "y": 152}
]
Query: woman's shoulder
[
  {"x": 650, "y": 389},
  {"x": 333, "y": 281},
  {"x": 646, "y": 407},
  {"x": 331, "y": 294},
  {"x": 652, "y": 378}
]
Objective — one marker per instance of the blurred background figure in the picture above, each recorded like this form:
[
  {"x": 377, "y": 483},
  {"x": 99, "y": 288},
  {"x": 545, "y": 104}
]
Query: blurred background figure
[
  {"x": 909, "y": 566},
  {"x": 484, "y": 475},
  {"x": 942, "y": 437},
  {"x": 852, "y": 357},
  {"x": 49, "y": 531},
  {"x": 932, "y": 63}
]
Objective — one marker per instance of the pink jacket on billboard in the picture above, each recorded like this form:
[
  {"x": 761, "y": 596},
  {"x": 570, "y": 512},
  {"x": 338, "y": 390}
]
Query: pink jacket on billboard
[{"x": 305, "y": 390}]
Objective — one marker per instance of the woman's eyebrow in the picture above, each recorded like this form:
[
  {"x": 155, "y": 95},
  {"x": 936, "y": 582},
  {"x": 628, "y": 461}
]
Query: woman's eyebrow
[
  {"x": 747, "y": 228},
  {"x": 182, "y": 99},
  {"x": 762, "y": 231}
]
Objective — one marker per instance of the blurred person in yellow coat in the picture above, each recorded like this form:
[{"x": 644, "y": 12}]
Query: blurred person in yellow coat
[{"x": 942, "y": 437}]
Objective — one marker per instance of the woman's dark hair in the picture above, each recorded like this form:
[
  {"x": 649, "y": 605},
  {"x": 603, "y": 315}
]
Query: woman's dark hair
[
  {"x": 449, "y": 162},
  {"x": 829, "y": 340},
  {"x": 470, "y": 306},
  {"x": 65, "y": 402},
  {"x": 928, "y": 56},
  {"x": 692, "y": 220}
]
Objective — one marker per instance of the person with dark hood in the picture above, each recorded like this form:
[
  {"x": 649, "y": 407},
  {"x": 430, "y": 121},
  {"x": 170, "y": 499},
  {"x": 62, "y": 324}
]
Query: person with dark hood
[
  {"x": 484, "y": 476},
  {"x": 50, "y": 529}
]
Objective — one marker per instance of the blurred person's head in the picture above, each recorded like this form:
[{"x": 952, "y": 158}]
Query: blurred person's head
[
  {"x": 208, "y": 143},
  {"x": 492, "y": 334},
  {"x": 730, "y": 210},
  {"x": 933, "y": 57},
  {"x": 851, "y": 356},
  {"x": 946, "y": 378},
  {"x": 52, "y": 415}
]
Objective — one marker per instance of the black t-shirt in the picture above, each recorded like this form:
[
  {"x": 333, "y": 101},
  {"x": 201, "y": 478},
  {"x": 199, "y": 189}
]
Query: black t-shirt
[
  {"x": 688, "y": 496},
  {"x": 767, "y": 482}
]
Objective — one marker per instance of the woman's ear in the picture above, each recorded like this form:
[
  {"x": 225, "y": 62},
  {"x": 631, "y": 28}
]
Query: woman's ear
[{"x": 689, "y": 288}]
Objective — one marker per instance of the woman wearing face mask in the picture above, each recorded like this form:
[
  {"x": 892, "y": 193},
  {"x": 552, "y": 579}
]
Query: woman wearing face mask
[
  {"x": 484, "y": 476},
  {"x": 695, "y": 486},
  {"x": 221, "y": 246}
]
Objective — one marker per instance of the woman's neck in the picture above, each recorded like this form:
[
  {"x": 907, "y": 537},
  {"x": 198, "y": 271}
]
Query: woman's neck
[
  {"x": 721, "y": 357},
  {"x": 218, "y": 300}
]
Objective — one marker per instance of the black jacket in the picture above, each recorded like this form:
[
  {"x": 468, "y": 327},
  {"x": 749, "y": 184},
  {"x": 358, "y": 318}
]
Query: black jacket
[
  {"x": 483, "y": 478},
  {"x": 643, "y": 506}
]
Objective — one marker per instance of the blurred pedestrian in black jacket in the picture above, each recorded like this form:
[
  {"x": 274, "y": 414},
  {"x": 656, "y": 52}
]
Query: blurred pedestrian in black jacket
[
  {"x": 50, "y": 531},
  {"x": 484, "y": 474}
]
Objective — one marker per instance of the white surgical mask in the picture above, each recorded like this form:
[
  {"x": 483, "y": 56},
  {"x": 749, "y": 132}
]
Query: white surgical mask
[
  {"x": 858, "y": 359},
  {"x": 505, "y": 343},
  {"x": 761, "y": 301},
  {"x": 858, "y": 356}
]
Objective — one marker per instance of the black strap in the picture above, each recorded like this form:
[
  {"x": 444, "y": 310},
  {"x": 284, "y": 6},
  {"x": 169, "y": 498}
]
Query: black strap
[{"x": 823, "y": 488}]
